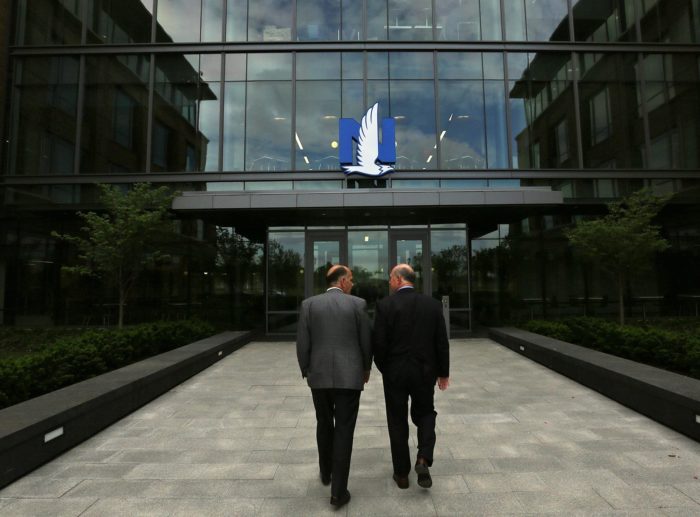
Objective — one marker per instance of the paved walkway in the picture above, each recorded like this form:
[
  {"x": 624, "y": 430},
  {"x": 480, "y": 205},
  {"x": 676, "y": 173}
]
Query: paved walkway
[{"x": 238, "y": 439}]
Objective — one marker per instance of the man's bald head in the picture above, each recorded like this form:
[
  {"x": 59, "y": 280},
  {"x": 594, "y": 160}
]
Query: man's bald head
[
  {"x": 335, "y": 274},
  {"x": 405, "y": 273}
]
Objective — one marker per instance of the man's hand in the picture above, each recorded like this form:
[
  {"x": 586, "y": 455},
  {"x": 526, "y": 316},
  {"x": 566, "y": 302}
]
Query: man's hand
[
  {"x": 443, "y": 383},
  {"x": 367, "y": 376}
]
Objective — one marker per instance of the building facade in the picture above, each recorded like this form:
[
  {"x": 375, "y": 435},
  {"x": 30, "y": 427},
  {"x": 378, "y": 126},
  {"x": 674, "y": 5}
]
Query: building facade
[{"x": 512, "y": 120}]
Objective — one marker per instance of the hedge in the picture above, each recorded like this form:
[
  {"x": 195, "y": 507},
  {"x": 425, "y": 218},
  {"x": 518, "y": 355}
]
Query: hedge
[
  {"x": 74, "y": 359},
  {"x": 678, "y": 351}
]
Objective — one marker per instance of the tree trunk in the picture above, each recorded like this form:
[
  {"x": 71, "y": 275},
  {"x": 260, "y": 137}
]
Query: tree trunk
[
  {"x": 122, "y": 300},
  {"x": 621, "y": 297}
]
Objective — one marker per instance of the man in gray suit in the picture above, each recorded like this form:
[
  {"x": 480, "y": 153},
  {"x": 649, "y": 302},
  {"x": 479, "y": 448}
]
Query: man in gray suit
[{"x": 335, "y": 356}]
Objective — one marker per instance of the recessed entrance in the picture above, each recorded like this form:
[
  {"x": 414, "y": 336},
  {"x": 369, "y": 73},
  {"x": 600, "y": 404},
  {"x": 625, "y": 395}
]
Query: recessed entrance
[{"x": 299, "y": 258}]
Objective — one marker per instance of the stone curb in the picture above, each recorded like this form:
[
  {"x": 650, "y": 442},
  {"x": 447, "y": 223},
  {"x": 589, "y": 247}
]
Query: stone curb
[
  {"x": 37, "y": 430},
  {"x": 667, "y": 397}
]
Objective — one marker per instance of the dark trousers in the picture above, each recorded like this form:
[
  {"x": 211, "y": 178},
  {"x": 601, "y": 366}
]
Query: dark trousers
[
  {"x": 336, "y": 415},
  {"x": 408, "y": 380}
]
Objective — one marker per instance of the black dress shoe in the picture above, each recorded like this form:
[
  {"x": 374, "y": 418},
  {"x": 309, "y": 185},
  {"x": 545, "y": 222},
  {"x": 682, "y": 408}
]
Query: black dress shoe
[
  {"x": 340, "y": 501},
  {"x": 401, "y": 482},
  {"x": 326, "y": 480},
  {"x": 424, "y": 479}
]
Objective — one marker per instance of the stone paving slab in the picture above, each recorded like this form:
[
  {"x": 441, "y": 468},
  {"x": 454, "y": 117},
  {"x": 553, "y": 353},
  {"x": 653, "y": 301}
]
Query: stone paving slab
[{"x": 238, "y": 439}]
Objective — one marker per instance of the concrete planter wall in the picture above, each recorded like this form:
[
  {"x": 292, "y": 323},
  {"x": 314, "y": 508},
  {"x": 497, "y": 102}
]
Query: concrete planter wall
[
  {"x": 668, "y": 398},
  {"x": 38, "y": 430}
]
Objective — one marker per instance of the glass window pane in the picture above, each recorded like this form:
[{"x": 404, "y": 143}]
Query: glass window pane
[
  {"x": 115, "y": 114},
  {"x": 353, "y": 100},
  {"x": 411, "y": 65},
  {"x": 212, "y": 20},
  {"x": 450, "y": 259},
  {"x": 460, "y": 65},
  {"x": 462, "y": 137},
  {"x": 612, "y": 128},
  {"x": 269, "y": 185},
  {"x": 676, "y": 21},
  {"x": 415, "y": 184},
  {"x": 351, "y": 18},
  {"x": 539, "y": 101},
  {"x": 410, "y": 20},
  {"x": 270, "y": 20},
  {"x": 413, "y": 109},
  {"x": 463, "y": 184},
  {"x": 468, "y": 20},
  {"x": 269, "y": 67},
  {"x": 48, "y": 22},
  {"x": 368, "y": 257},
  {"x": 285, "y": 255},
  {"x": 352, "y": 65},
  {"x": 318, "y": 20},
  {"x": 119, "y": 21},
  {"x": 234, "y": 127},
  {"x": 536, "y": 20},
  {"x": 181, "y": 95},
  {"x": 377, "y": 20},
  {"x": 671, "y": 96},
  {"x": 235, "y": 67},
  {"x": 318, "y": 185},
  {"x": 377, "y": 65},
  {"x": 236, "y": 20},
  {"x": 178, "y": 21},
  {"x": 43, "y": 120},
  {"x": 268, "y": 126},
  {"x": 318, "y": 65},
  {"x": 318, "y": 110},
  {"x": 208, "y": 124},
  {"x": 604, "y": 21},
  {"x": 496, "y": 128}
]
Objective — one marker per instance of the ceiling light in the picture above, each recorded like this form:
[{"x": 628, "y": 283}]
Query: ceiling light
[
  {"x": 429, "y": 158},
  {"x": 296, "y": 136}
]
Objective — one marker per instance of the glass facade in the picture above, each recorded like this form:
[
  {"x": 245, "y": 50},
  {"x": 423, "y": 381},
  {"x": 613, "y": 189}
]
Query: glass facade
[{"x": 592, "y": 98}]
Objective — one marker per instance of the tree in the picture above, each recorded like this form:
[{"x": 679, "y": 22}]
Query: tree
[
  {"x": 624, "y": 241},
  {"x": 120, "y": 242}
]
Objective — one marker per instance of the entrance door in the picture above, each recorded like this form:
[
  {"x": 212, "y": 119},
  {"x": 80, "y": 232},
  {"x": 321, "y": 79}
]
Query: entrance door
[
  {"x": 323, "y": 249},
  {"x": 411, "y": 247}
]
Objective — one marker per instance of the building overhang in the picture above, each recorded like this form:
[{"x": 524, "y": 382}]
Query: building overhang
[
  {"x": 367, "y": 198},
  {"x": 253, "y": 212}
]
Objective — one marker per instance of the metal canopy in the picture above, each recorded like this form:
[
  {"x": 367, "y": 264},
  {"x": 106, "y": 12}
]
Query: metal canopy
[{"x": 370, "y": 198}]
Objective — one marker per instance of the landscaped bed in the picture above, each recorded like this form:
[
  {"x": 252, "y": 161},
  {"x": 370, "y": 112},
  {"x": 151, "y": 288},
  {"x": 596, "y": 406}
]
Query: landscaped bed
[
  {"x": 671, "y": 344},
  {"x": 35, "y": 362}
]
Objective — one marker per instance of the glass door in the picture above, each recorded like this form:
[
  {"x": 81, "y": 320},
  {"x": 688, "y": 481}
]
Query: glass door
[
  {"x": 323, "y": 249},
  {"x": 411, "y": 247}
]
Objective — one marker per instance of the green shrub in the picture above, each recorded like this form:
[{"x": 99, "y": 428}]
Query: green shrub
[
  {"x": 674, "y": 350},
  {"x": 553, "y": 329},
  {"x": 73, "y": 359}
]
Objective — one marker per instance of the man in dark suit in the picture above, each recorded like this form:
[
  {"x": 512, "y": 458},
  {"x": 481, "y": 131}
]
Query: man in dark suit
[
  {"x": 334, "y": 350},
  {"x": 411, "y": 350}
]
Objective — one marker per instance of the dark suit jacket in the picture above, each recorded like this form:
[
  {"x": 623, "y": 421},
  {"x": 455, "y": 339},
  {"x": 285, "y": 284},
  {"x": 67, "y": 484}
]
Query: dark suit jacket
[
  {"x": 334, "y": 346},
  {"x": 409, "y": 326}
]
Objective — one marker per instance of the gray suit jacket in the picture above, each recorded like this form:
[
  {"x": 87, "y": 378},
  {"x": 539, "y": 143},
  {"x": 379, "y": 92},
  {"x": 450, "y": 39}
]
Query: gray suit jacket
[{"x": 334, "y": 344}]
